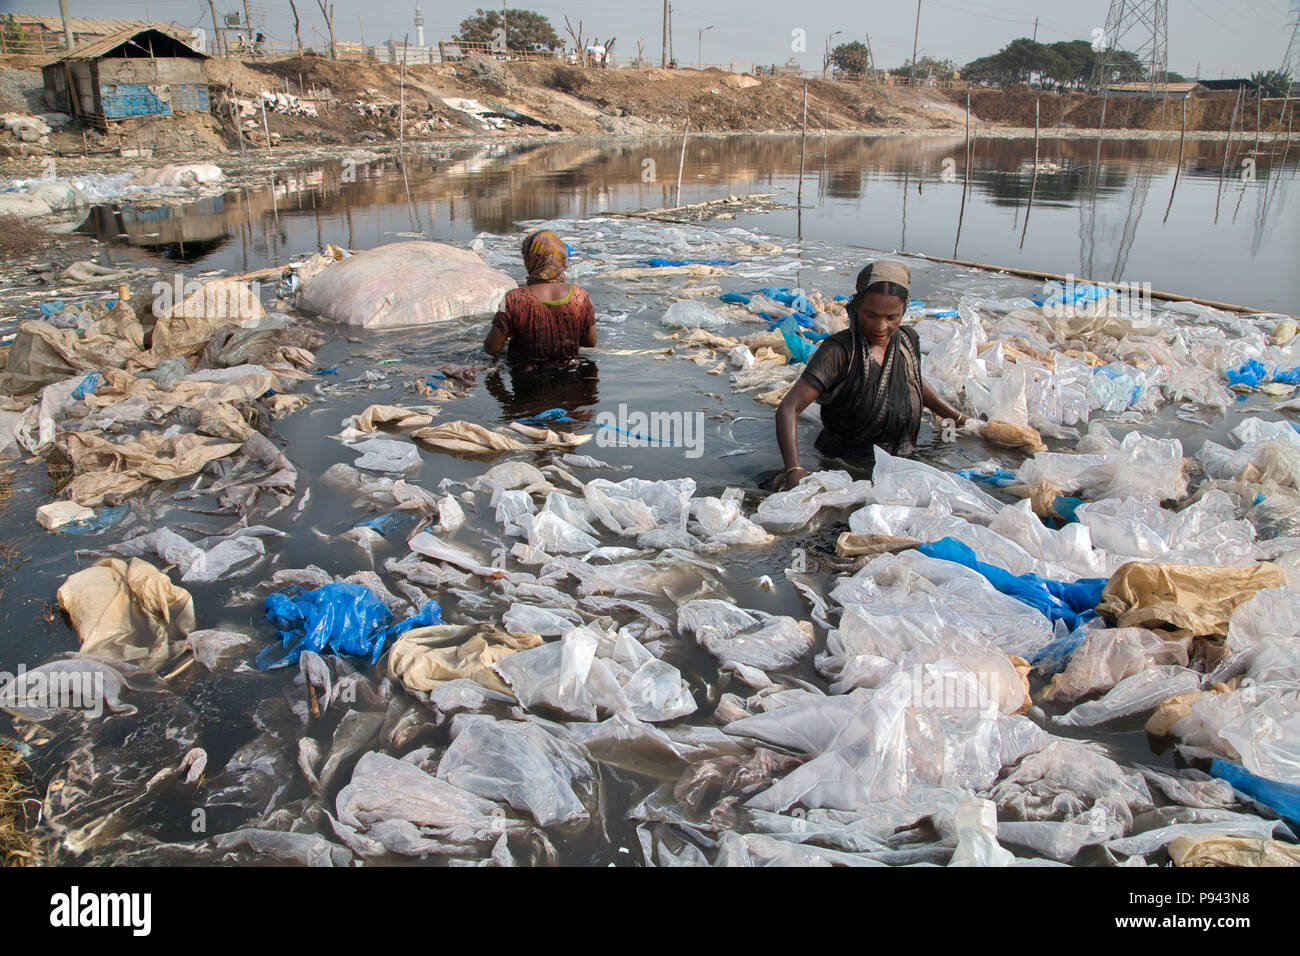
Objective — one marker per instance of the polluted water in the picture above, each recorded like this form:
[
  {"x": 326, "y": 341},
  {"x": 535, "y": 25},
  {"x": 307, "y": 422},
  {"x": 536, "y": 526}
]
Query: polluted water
[{"x": 298, "y": 583}]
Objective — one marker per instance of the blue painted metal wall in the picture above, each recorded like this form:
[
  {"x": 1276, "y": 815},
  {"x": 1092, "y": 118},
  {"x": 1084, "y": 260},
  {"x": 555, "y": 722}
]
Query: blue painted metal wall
[{"x": 123, "y": 100}]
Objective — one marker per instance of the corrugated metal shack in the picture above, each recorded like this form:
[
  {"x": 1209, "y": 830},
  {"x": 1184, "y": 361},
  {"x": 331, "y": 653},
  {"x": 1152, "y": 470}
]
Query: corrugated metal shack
[{"x": 134, "y": 72}]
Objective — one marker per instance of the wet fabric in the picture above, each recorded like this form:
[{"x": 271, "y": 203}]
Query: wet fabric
[
  {"x": 127, "y": 612},
  {"x": 864, "y": 403},
  {"x": 1192, "y": 599},
  {"x": 545, "y": 256},
  {"x": 544, "y": 333}
]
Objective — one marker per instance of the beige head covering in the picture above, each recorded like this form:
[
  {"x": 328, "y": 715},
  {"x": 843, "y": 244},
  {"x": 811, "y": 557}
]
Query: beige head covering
[{"x": 885, "y": 270}]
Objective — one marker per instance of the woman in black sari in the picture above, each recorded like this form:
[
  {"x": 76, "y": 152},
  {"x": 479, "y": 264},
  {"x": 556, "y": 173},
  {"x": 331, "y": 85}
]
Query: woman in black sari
[{"x": 867, "y": 380}]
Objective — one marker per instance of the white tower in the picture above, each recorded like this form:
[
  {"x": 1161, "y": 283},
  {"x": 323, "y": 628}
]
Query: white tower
[{"x": 419, "y": 27}]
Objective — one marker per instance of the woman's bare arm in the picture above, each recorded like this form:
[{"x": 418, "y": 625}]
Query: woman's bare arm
[
  {"x": 495, "y": 341},
  {"x": 936, "y": 403},
  {"x": 801, "y": 395}
]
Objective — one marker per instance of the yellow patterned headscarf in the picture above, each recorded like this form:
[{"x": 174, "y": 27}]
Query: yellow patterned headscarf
[{"x": 545, "y": 256}]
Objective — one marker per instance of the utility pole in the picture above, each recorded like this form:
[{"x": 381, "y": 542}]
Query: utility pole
[
  {"x": 1035, "y": 29},
  {"x": 671, "y": 58},
  {"x": 216, "y": 34},
  {"x": 67, "y": 24},
  {"x": 916, "y": 34},
  {"x": 699, "y": 46},
  {"x": 663, "y": 56},
  {"x": 504, "y": 35}
]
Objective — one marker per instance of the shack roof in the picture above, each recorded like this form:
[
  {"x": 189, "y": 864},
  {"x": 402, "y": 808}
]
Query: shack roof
[
  {"x": 91, "y": 26},
  {"x": 164, "y": 45}
]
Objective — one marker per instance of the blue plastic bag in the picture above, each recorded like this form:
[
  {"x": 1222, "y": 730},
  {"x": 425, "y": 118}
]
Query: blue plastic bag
[
  {"x": 1282, "y": 798},
  {"x": 663, "y": 263},
  {"x": 339, "y": 618},
  {"x": 552, "y": 416},
  {"x": 381, "y": 523},
  {"x": 1071, "y": 602},
  {"x": 1252, "y": 373},
  {"x": 87, "y": 385}
]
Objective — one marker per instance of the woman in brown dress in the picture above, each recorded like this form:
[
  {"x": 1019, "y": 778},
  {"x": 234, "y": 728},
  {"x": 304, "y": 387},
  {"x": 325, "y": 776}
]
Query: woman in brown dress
[{"x": 546, "y": 320}]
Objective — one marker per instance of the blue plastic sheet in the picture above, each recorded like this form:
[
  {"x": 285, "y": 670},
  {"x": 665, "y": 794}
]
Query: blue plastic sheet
[
  {"x": 339, "y": 618},
  {"x": 382, "y": 523},
  {"x": 552, "y": 416},
  {"x": 662, "y": 263},
  {"x": 1074, "y": 293},
  {"x": 332, "y": 370},
  {"x": 998, "y": 478},
  {"x": 735, "y": 298},
  {"x": 1282, "y": 798},
  {"x": 1252, "y": 373},
  {"x": 801, "y": 350},
  {"x": 104, "y": 518},
  {"x": 1055, "y": 657},
  {"x": 87, "y": 385},
  {"x": 1290, "y": 376},
  {"x": 1071, "y": 602}
]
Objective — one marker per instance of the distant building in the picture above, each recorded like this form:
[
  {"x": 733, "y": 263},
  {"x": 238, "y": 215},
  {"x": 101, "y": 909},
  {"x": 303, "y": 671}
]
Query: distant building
[
  {"x": 138, "y": 71},
  {"x": 1230, "y": 86},
  {"x": 45, "y": 34},
  {"x": 1175, "y": 91}
]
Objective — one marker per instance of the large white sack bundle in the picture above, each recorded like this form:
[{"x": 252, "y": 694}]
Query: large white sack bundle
[
  {"x": 405, "y": 283},
  {"x": 186, "y": 175}
]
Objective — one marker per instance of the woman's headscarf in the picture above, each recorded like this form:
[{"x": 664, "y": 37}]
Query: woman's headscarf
[
  {"x": 545, "y": 256},
  {"x": 885, "y": 270}
]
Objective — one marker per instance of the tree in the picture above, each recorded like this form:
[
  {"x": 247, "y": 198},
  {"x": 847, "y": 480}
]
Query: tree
[
  {"x": 851, "y": 58},
  {"x": 526, "y": 31},
  {"x": 13, "y": 30},
  {"x": 1271, "y": 82}
]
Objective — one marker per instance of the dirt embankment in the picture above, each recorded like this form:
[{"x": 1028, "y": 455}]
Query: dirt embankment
[
  {"x": 348, "y": 103},
  {"x": 1211, "y": 112}
]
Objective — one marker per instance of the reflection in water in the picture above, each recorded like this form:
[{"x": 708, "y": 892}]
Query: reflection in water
[
  {"x": 574, "y": 389},
  {"x": 864, "y": 196}
]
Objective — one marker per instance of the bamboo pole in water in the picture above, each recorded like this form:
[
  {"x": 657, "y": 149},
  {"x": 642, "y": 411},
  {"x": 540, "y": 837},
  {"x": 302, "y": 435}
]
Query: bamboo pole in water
[
  {"x": 1057, "y": 277},
  {"x": 1033, "y": 186},
  {"x": 803, "y": 140},
  {"x": 1227, "y": 148},
  {"x": 965, "y": 181},
  {"x": 681, "y": 163},
  {"x": 401, "y": 107},
  {"x": 1179, "y": 170}
]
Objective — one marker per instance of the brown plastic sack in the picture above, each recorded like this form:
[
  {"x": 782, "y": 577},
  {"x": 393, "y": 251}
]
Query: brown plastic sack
[
  {"x": 1189, "y": 599},
  {"x": 103, "y": 469},
  {"x": 1192, "y": 850},
  {"x": 127, "y": 612},
  {"x": 1013, "y": 436},
  {"x": 425, "y": 657}
]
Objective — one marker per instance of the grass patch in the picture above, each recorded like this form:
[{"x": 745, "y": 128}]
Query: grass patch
[{"x": 15, "y": 842}]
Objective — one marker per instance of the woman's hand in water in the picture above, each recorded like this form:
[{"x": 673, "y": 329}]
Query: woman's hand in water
[{"x": 795, "y": 475}]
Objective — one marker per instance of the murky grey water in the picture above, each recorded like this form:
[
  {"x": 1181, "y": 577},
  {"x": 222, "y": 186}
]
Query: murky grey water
[{"x": 1106, "y": 222}]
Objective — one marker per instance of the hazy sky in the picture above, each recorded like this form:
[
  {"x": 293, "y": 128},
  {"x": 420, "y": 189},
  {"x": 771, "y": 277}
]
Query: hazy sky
[{"x": 1231, "y": 39}]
